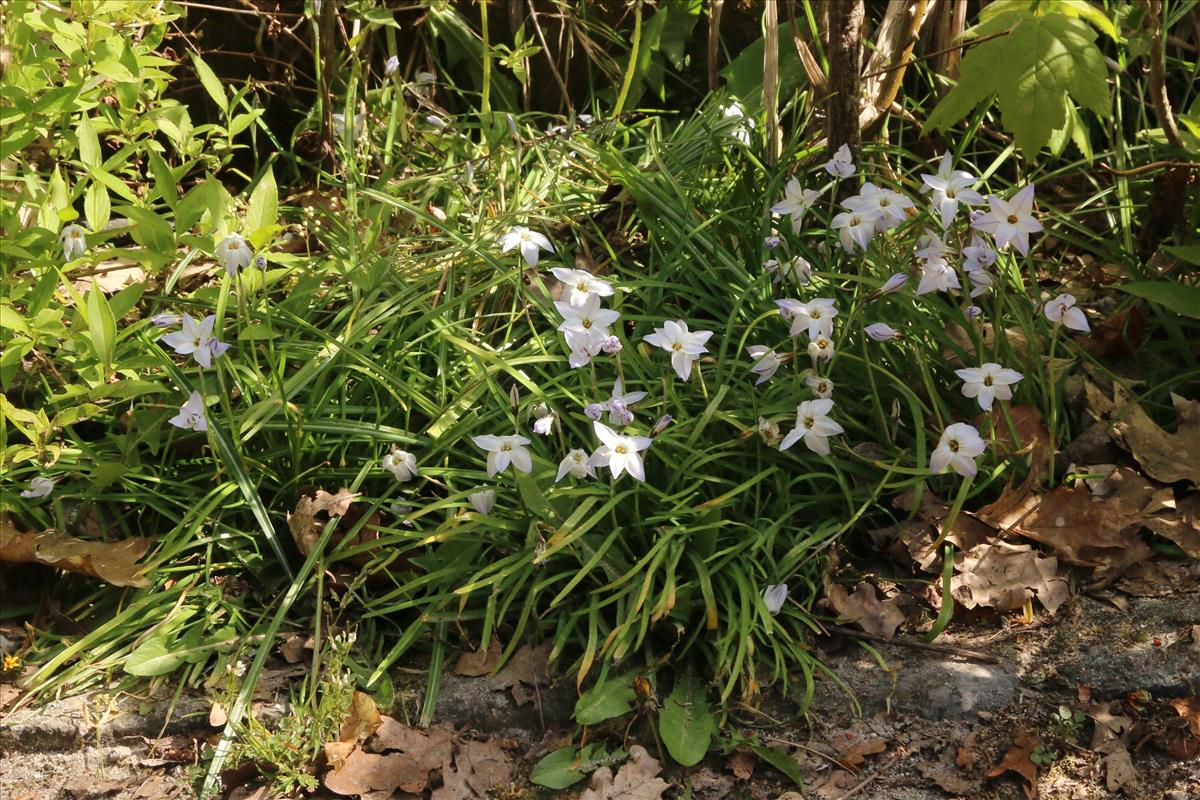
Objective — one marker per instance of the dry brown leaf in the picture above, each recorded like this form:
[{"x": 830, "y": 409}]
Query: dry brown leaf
[
  {"x": 1003, "y": 576},
  {"x": 636, "y": 780},
  {"x": 865, "y": 609},
  {"x": 217, "y": 716},
  {"x": 1166, "y": 457},
  {"x": 362, "y": 773},
  {"x": 478, "y": 767},
  {"x": 112, "y": 276},
  {"x": 742, "y": 764},
  {"x": 480, "y": 662},
  {"x": 314, "y": 509},
  {"x": 431, "y": 747},
  {"x": 1110, "y": 723},
  {"x": 293, "y": 648},
  {"x": 1119, "y": 774},
  {"x": 836, "y": 785},
  {"x": 946, "y": 777},
  {"x": 114, "y": 562},
  {"x": 1018, "y": 760},
  {"x": 1183, "y": 735},
  {"x": 1032, "y": 438},
  {"x": 1180, "y": 525},
  {"x": 965, "y": 756},
  {"x": 361, "y": 720},
  {"x": 857, "y": 753},
  {"x": 527, "y": 667}
]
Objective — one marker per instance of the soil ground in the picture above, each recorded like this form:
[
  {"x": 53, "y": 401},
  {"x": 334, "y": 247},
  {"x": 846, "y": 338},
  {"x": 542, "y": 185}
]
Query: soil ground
[{"x": 932, "y": 724}]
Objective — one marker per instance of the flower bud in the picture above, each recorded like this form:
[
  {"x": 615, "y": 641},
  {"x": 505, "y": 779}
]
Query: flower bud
[
  {"x": 594, "y": 411},
  {"x": 661, "y": 425}
]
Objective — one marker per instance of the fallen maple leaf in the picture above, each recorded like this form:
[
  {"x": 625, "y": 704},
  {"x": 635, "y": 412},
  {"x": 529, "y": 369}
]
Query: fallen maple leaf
[
  {"x": 1018, "y": 760},
  {"x": 478, "y": 767},
  {"x": 479, "y": 662},
  {"x": 114, "y": 562},
  {"x": 1119, "y": 774},
  {"x": 1003, "y": 576},
  {"x": 865, "y": 609},
  {"x": 527, "y": 667},
  {"x": 1166, "y": 457},
  {"x": 636, "y": 780}
]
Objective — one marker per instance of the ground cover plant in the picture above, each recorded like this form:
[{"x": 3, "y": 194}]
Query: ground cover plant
[{"x": 619, "y": 386}]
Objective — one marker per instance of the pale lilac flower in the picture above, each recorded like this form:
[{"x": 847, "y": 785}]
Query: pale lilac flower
[
  {"x": 893, "y": 284},
  {"x": 166, "y": 320},
  {"x": 988, "y": 382},
  {"x": 579, "y": 284},
  {"x": 391, "y": 66},
  {"x": 855, "y": 228},
  {"x": 191, "y": 414},
  {"x": 881, "y": 332},
  {"x": 821, "y": 387},
  {"x": 1010, "y": 221},
  {"x": 619, "y": 413},
  {"x": 543, "y": 425},
  {"x": 814, "y": 426},
  {"x": 527, "y": 242},
  {"x": 815, "y": 317},
  {"x": 483, "y": 500},
  {"x": 625, "y": 399},
  {"x": 401, "y": 463},
  {"x": 576, "y": 465},
  {"x": 820, "y": 348},
  {"x": 438, "y": 122},
  {"x": 504, "y": 450},
  {"x": 584, "y": 346},
  {"x": 973, "y": 312},
  {"x": 958, "y": 448},
  {"x": 766, "y": 362},
  {"x": 73, "y": 239},
  {"x": 774, "y": 597},
  {"x": 796, "y": 202},
  {"x": 196, "y": 339},
  {"x": 38, "y": 487},
  {"x": 594, "y": 411},
  {"x": 619, "y": 453},
  {"x": 684, "y": 346},
  {"x": 611, "y": 345},
  {"x": 978, "y": 255},
  {"x": 789, "y": 308},
  {"x": 930, "y": 247},
  {"x": 842, "y": 163},
  {"x": 937, "y": 276},
  {"x": 772, "y": 241},
  {"x": 950, "y": 187},
  {"x": 981, "y": 281},
  {"x": 233, "y": 253},
  {"x": 797, "y": 270},
  {"x": 587, "y": 319},
  {"x": 660, "y": 425},
  {"x": 884, "y": 205},
  {"x": 1063, "y": 309}
]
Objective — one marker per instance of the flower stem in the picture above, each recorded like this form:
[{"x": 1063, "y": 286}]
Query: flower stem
[{"x": 948, "y": 525}]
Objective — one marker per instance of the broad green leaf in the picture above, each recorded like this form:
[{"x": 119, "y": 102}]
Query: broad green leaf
[
  {"x": 1031, "y": 71},
  {"x": 89, "y": 143},
  {"x": 211, "y": 84},
  {"x": 1089, "y": 11},
  {"x": 562, "y": 768},
  {"x": 686, "y": 721},
  {"x": 96, "y": 206},
  {"x": 102, "y": 327},
  {"x": 155, "y": 656},
  {"x": 610, "y": 699},
  {"x": 264, "y": 200},
  {"x": 164, "y": 180},
  {"x": 780, "y": 761},
  {"x": 1189, "y": 253},
  {"x": 1184, "y": 300},
  {"x": 150, "y": 229}
]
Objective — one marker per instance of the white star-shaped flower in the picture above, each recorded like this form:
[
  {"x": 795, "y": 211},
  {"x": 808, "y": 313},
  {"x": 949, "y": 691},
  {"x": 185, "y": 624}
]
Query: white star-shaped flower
[
  {"x": 796, "y": 201},
  {"x": 504, "y": 450},
  {"x": 579, "y": 284},
  {"x": 528, "y": 242},
  {"x": 937, "y": 276},
  {"x": 949, "y": 187},
  {"x": 233, "y": 253},
  {"x": 74, "y": 241},
  {"x": 988, "y": 382},
  {"x": 191, "y": 414},
  {"x": 842, "y": 163},
  {"x": 619, "y": 453},
  {"x": 684, "y": 346},
  {"x": 576, "y": 465},
  {"x": 766, "y": 362},
  {"x": 814, "y": 426},
  {"x": 958, "y": 448},
  {"x": 855, "y": 228},
  {"x": 1063, "y": 309},
  {"x": 815, "y": 317},
  {"x": 1010, "y": 221}
]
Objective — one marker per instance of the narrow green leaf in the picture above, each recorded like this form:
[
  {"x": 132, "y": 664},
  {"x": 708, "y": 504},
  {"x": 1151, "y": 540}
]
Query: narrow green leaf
[
  {"x": 262, "y": 208},
  {"x": 153, "y": 657},
  {"x": 211, "y": 84},
  {"x": 96, "y": 206},
  {"x": 89, "y": 143},
  {"x": 102, "y": 327}
]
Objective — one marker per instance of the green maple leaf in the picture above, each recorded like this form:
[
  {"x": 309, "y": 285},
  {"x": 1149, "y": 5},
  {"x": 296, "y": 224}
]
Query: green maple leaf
[{"x": 1034, "y": 71}]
